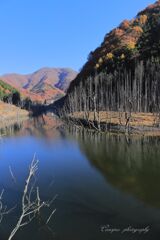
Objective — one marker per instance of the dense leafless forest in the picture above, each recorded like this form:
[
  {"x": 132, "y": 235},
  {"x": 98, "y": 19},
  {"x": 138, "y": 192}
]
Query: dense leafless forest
[{"x": 133, "y": 87}]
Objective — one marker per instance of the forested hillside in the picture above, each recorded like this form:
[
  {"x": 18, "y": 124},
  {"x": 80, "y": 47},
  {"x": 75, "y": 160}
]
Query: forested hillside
[
  {"x": 123, "y": 74},
  {"x": 9, "y": 94}
]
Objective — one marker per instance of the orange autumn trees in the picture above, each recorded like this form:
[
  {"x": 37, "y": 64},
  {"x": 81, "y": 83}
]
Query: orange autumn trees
[
  {"x": 120, "y": 42},
  {"x": 143, "y": 19},
  {"x": 123, "y": 73},
  {"x": 125, "y": 25}
]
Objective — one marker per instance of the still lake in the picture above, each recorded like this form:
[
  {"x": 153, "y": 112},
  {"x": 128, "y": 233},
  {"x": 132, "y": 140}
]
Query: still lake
[{"x": 102, "y": 182}]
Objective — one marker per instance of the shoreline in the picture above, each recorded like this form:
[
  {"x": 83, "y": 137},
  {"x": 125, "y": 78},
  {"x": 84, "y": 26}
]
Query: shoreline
[
  {"x": 139, "y": 123},
  {"x": 10, "y": 114},
  {"x": 9, "y": 122}
]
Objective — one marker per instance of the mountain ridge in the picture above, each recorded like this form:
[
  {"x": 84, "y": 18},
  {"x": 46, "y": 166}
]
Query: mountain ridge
[
  {"x": 123, "y": 42},
  {"x": 50, "y": 83}
]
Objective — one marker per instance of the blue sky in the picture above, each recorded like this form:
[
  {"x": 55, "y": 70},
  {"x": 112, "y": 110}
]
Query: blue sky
[{"x": 57, "y": 33}]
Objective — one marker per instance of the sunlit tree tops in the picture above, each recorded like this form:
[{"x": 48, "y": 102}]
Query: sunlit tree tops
[{"x": 129, "y": 40}]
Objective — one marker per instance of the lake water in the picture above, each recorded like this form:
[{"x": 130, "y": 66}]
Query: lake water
[{"x": 103, "y": 182}]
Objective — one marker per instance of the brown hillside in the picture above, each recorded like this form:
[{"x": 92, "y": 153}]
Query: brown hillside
[{"x": 44, "y": 84}]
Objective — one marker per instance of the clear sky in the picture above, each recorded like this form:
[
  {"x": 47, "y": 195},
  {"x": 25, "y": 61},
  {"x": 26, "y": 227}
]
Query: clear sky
[{"x": 57, "y": 33}]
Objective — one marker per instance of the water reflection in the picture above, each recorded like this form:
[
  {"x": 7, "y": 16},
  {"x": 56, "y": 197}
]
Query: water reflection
[
  {"x": 131, "y": 164},
  {"x": 11, "y": 129},
  {"x": 99, "y": 178},
  {"x": 40, "y": 126}
]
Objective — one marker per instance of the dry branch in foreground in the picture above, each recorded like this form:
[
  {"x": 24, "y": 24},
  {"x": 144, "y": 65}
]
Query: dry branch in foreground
[{"x": 31, "y": 203}]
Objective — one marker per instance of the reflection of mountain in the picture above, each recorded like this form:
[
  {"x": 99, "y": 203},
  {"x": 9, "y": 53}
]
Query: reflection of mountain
[
  {"x": 131, "y": 165},
  {"x": 42, "y": 126}
]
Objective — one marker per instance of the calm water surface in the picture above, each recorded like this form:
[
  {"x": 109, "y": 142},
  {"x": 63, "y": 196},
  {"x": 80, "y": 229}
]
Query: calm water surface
[{"x": 100, "y": 180}]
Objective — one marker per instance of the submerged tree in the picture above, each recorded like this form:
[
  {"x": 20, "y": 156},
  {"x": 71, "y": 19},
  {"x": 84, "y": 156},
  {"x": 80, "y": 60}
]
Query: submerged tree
[{"x": 31, "y": 203}]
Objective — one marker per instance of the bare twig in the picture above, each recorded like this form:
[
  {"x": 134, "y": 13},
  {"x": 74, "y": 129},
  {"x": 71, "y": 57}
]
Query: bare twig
[
  {"x": 31, "y": 202},
  {"x": 50, "y": 216},
  {"x": 12, "y": 175}
]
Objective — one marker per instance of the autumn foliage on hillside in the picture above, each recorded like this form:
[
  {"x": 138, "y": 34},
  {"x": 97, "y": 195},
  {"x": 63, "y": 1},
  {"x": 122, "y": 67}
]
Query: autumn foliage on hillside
[
  {"x": 126, "y": 42},
  {"x": 122, "y": 75}
]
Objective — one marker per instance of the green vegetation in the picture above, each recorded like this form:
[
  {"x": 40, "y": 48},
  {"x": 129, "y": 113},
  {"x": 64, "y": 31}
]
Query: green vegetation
[{"x": 9, "y": 94}]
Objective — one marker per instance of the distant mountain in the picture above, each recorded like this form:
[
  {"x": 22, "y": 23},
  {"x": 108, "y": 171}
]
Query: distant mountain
[{"x": 44, "y": 84}]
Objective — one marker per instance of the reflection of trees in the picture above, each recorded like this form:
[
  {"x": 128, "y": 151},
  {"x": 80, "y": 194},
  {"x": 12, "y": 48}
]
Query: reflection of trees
[
  {"x": 41, "y": 126},
  {"x": 44, "y": 125},
  {"x": 130, "y": 164},
  {"x": 11, "y": 129}
]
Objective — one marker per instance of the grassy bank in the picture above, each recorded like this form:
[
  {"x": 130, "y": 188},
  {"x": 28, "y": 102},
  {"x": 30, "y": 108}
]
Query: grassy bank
[{"x": 10, "y": 114}]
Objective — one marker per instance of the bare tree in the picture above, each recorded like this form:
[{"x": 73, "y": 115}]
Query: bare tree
[{"x": 31, "y": 203}]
